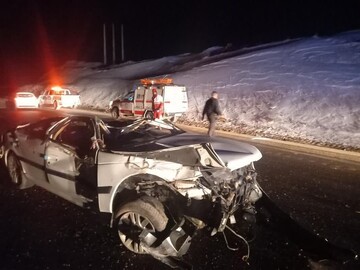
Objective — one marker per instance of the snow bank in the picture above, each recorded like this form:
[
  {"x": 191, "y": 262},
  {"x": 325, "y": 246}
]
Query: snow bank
[{"x": 307, "y": 89}]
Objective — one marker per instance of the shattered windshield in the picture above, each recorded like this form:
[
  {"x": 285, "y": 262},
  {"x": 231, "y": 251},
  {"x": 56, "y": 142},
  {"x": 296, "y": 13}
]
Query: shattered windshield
[{"x": 139, "y": 135}]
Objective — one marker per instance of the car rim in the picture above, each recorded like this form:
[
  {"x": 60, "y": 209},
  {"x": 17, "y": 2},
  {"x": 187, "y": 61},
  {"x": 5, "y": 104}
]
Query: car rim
[
  {"x": 14, "y": 170},
  {"x": 131, "y": 225}
]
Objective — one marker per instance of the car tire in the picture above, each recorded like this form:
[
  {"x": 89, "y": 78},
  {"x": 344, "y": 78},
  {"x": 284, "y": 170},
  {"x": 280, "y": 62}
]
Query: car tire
[
  {"x": 144, "y": 214},
  {"x": 115, "y": 112}
]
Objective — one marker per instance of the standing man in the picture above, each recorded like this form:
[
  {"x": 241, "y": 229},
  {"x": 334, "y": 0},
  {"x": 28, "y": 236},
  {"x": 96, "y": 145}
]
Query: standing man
[
  {"x": 157, "y": 104},
  {"x": 212, "y": 110}
]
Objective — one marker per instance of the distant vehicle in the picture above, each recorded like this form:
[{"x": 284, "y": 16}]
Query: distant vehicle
[
  {"x": 138, "y": 102},
  {"x": 26, "y": 100},
  {"x": 18, "y": 100},
  {"x": 58, "y": 97}
]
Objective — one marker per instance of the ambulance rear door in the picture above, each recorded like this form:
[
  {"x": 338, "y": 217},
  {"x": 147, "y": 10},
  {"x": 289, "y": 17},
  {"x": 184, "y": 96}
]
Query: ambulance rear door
[
  {"x": 140, "y": 101},
  {"x": 175, "y": 100}
]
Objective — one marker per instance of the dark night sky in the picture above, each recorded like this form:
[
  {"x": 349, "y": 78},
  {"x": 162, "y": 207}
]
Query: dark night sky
[{"x": 38, "y": 35}]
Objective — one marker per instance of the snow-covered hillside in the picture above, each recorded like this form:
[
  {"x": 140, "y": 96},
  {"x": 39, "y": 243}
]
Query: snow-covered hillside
[{"x": 306, "y": 89}]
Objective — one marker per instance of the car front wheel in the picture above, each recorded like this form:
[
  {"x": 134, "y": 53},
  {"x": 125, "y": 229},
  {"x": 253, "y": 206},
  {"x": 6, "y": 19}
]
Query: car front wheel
[{"x": 137, "y": 218}]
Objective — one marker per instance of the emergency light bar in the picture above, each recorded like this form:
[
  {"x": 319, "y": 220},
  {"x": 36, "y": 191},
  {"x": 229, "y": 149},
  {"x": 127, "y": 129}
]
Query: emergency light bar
[
  {"x": 56, "y": 88},
  {"x": 156, "y": 81}
]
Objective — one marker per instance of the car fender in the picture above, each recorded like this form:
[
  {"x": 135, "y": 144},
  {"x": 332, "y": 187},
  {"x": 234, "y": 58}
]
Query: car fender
[{"x": 140, "y": 185}]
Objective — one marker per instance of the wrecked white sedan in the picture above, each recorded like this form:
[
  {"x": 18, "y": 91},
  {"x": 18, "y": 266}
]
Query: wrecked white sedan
[{"x": 159, "y": 183}]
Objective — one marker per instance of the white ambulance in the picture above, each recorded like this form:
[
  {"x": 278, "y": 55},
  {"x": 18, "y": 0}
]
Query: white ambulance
[{"x": 138, "y": 102}]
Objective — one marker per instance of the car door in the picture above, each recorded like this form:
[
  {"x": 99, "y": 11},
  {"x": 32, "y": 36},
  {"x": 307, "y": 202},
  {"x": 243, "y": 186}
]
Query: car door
[
  {"x": 70, "y": 161},
  {"x": 46, "y": 98},
  {"x": 30, "y": 147},
  {"x": 127, "y": 104},
  {"x": 29, "y": 150},
  {"x": 139, "y": 101}
]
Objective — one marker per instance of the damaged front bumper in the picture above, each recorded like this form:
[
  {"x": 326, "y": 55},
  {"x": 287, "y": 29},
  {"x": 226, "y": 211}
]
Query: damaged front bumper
[{"x": 231, "y": 191}]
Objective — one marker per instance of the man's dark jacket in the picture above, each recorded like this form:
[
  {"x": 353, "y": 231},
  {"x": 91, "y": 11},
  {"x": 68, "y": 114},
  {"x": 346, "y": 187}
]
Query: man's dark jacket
[{"x": 211, "y": 107}]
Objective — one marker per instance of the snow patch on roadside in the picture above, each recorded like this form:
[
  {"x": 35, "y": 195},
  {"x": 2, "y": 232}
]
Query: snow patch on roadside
[{"x": 307, "y": 89}]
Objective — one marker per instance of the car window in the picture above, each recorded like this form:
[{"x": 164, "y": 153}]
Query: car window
[
  {"x": 38, "y": 129},
  {"x": 77, "y": 134},
  {"x": 129, "y": 96}
]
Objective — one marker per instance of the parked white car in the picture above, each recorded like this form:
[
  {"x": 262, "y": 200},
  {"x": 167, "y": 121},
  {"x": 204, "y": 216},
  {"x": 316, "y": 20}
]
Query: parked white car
[{"x": 26, "y": 100}]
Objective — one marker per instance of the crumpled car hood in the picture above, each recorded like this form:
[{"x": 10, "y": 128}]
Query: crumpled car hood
[{"x": 233, "y": 153}]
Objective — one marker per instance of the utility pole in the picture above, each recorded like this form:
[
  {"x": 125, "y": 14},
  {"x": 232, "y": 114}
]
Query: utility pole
[
  {"x": 104, "y": 35},
  {"x": 113, "y": 45},
  {"x": 122, "y": 44}
]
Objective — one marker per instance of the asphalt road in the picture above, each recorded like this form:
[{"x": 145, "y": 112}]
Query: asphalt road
[{"x": 41, "y": 231}]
